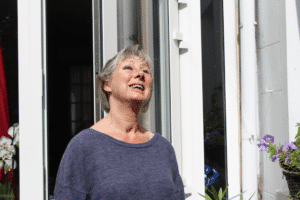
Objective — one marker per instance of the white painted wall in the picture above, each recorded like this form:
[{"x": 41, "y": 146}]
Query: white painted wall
[
  {"x": 293, "y": 63},
  {"x": 232, "y": 100},
  {"x": 273, "y": 88},
  {"x": 249, "y": 98}
]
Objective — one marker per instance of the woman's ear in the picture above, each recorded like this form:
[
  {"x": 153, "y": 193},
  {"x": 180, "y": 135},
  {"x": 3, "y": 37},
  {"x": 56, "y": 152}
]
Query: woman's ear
[{"x": 106, "y": 87}]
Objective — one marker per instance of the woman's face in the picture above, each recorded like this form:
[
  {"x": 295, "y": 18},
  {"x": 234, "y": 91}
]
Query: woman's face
[{"x": 130, "y": 81}]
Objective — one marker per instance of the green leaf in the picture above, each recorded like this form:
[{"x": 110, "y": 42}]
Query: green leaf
[
  {"x": 220, "y": 194},
  {"x": 206, "y": 196},
  {"x": 213, "y": 192},
  {"x": 6, "y": 189},
  {"x": 224, "y": 191}
]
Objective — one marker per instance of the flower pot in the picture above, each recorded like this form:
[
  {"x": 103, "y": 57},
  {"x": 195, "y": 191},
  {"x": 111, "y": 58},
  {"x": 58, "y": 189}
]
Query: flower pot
[{"x": 293, "y": 180}]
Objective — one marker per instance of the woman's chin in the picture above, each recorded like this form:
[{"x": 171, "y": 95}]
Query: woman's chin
[
  {"x": 135, "y": 100},
  {"x": 139, "y": 98}
]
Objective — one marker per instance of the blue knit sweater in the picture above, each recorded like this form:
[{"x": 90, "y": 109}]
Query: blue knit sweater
[{"x": 97, "y": 166}]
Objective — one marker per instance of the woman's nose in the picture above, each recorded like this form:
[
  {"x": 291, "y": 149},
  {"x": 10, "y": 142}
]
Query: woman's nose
[{"x": 140, "y": 74}]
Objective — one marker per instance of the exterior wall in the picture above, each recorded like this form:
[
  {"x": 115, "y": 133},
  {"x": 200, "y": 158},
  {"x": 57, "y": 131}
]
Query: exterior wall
[
  {"x": 272, "y": 86},
  {"x": 293, "y": 63}
]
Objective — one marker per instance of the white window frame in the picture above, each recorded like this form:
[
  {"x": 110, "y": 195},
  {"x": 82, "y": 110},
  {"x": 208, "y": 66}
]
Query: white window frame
[
  {"x": 186, "y": 101},
  {"x": 293, "y": 69},
  {"x": 97, "y": 55},
  {"x": 185, "y": 29},
  {"x": 32, "y": 104},
  {"x": 232, "y": 98}
]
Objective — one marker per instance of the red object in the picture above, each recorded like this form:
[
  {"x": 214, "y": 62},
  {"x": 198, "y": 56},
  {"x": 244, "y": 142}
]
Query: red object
[{"x": 4, "y": 120}]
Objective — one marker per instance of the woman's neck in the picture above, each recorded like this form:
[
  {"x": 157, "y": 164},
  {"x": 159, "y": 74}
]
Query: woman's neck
[{"x": 124, "y": 117}]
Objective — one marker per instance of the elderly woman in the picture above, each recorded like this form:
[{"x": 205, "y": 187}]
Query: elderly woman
[{"x": 117, "y": 158}]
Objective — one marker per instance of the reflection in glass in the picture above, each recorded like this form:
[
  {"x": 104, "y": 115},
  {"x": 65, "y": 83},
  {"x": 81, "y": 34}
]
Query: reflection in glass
[
  {"x": 162, "y": 66},
  {"x": 213, "y": 93}
]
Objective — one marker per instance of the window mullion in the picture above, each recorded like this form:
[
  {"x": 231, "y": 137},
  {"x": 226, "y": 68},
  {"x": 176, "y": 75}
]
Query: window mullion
[{"x": 186, "y": 92}]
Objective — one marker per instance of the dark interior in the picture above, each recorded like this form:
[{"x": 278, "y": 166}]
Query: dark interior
[{"x": 69, "y": 43}]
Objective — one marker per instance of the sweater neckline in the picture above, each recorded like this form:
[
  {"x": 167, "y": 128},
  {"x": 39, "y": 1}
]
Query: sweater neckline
[{"x": 130, "y": 145}]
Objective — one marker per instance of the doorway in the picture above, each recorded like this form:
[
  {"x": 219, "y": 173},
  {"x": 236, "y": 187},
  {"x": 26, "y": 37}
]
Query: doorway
[{"x": 69, "y": 75}]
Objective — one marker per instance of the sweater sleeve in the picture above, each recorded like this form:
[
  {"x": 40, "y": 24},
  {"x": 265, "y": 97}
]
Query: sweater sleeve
[
  {"x": 71, "y": 180},
  {"x": 178, "y": 184}
]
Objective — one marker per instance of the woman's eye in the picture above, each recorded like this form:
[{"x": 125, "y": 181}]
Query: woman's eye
[
  {"x": 146, "y": 71},
  {"x": 127, "y": 67}
]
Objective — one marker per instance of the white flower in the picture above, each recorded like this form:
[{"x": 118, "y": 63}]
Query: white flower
[
  {"x": 11, "y": 149},
  {"x": 5, "y": 154},
  {"x": 8, "y": 165},
  {"x": 13, "y": 131},
  {"x": 7, "y": 150},
  {"x": 16, "y": 140},
  {"x": 16, "y": 125},
  {"x": 5, "y": 142}
]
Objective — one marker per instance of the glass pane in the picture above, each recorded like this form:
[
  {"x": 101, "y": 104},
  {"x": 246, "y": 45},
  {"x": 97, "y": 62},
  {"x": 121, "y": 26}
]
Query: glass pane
[
  {"x": 87, "y": 93},
  {"x": 69, "y": 30},
  {"x": 87, "y": 112},
  {"x": 9, "y": 76},
  {"x": 75, "y": 75},
  {"x": 127, "y": 23},
  {"x": 75, "y": 93},
  {"x": 162, "y": 67},
  {"x": 75, "y": 112},
  {"x": 88, "y": 124},
  {"x": 213, "y": 101},
  {"x": 76, "y": 127},
  {"x": 87, "y": 73}
]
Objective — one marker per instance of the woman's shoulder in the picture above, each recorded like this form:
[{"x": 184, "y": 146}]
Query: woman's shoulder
[
  {"x": 83, "y": 135},
  {"x": 82, "y": 139},
  {"x": 164, "y": 143}
]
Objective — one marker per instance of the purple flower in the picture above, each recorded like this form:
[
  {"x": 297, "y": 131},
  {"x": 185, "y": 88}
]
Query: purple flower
[
  {"x": 293, "y": 146},
  {"x": 269, "y": 138},
  {"x": 262, "y": 146},
  {"x": 287, "y": 160},
  {"x": 290, "y": 146},
  {"x": 275, "y": 157},
  {"x": 287, "y": 146},
  {"x": 263, "y": 143},
  {"x": 278, "y": 150}
]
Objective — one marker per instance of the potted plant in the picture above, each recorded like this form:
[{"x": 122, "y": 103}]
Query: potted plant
[
  {"x": 289, "y": 159},
  {"x": 8, "y": 150},
  {"x": 219, "y": 195}
]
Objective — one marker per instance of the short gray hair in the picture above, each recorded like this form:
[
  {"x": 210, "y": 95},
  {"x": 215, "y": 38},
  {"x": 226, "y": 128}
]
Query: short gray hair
[{"x": 109, "y": 68}]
